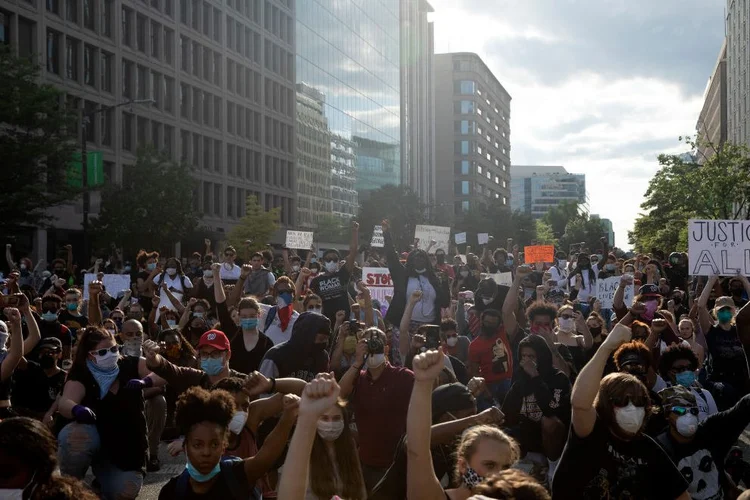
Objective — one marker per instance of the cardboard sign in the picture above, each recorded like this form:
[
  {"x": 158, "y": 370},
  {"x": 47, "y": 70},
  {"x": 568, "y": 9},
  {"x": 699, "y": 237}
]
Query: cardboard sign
[
  {"x": 377, "y": 238},
  {"x": 606, "y": 288},
  {"x": 539, "y": 253},
  {"x": 460, "y": 238},
  {"x": 441, "y": 235},
  {"x": 483, "y": 238},
  {"x": 113, "y": 283},
  {"x": 378, "y": 280},
  {"x": 718, "y": 247},
  {"x": 299, "y": 240},
  {"x": 505, "y": 279}
]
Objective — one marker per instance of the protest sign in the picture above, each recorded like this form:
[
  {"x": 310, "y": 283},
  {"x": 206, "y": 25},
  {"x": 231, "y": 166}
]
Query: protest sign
[
  {"x": 299, "y": 240},
  {"x": 441, "y": 235},
  {"x": 378, "y": 280},
  {"x": 483, "y": 238},
  {"x": 606, "y": 288},
  {"x": 505, "y": 279},
  {"x": 719, "y": 247},
  {"x": 539, "y": 253},
  {"x": 113, "y": 283},
  {"x": 460, "y": 238},
  {"x": 377, "y": 238}
]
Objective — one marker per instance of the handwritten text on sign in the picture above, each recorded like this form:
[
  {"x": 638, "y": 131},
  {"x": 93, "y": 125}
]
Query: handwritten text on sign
[
  {"x": 441, "y": 235},
  {"x": 378, "y": 280},
  {"x": 377, "y": 238},
  {"x": 719, "y": 247},
  {"x": 606, "y": 288},
  {"x": 113, "y": 283},
  {"x": 299, "y": 240},
  {"x": 539, "y": 253}
]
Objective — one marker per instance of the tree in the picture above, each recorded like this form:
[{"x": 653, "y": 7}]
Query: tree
[
  {"x": 38, "y": 141},
  {"x": 258, "y": 226},
  {"x": 559, "y": 216},
  {"x": 400, "y": 205},
  {"x": 544, "y": 233},
  {"x": 499, "y": 221},
  {"x": 583, "y": 229},
  {"x": 152, "y": 209},
  {"x": 333, "y": 229}
]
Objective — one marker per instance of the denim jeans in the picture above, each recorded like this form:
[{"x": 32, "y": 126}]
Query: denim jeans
[{"x": 78, "y": 449}]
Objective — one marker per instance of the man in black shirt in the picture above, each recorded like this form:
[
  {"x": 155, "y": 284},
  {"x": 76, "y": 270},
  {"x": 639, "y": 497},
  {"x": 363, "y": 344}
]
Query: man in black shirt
[
  {"x": 332, "y": 286},
  {"x": 38, "y": 384}
]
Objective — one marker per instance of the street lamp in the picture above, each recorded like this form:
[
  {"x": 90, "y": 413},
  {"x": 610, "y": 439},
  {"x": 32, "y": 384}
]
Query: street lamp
[{"x": 83, "y": 119}]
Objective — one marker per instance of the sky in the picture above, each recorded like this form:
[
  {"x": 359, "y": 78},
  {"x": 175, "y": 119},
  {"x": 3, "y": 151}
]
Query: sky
[{"x": 600, "y": 87}]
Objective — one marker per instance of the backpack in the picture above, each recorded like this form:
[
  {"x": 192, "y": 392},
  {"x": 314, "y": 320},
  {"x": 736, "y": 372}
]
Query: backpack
[{"x": 238, "y": 489}]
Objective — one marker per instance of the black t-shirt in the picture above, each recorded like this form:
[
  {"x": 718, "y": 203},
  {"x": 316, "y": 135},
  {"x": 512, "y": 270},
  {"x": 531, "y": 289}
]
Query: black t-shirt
[
  {"x": 728, "y": 359},
  {"x": 220, "y": 488},
  {"x": 332, "y": 288},
  {"x": 603, "y": 466},
  {"x": 34, "y": 390},
  {"x": 74, "y": 323}
]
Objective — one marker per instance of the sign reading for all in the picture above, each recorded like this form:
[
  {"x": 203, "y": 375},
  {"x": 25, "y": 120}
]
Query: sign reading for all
[{"x": 719, "y": 247}]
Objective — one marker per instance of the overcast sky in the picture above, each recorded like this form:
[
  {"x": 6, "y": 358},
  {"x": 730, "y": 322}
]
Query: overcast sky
[{"x": 600, "y": 87}]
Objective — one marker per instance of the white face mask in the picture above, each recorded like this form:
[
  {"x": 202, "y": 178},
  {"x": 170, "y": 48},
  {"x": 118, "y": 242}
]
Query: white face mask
[
  {"x": 452, "y": 341},
  {"x": 238, "y": 422},
  {"x": 295, "y": 269},
  {"x": 630, "y": 418},
  {"x": 420, "y": 271},
  {"x": 132, "y": 347},
  {"x": 687, "y": 425},
  {"x": 330, "y": 431},
  {"x": 332, "y": 267},
  {"x": 171, "y": 271},
  {"x": 207, "y": 273},
  {"x": 375, "y": 360},
  {"x": 108, "y": 361},
  {"x": 566, "y": 324}
]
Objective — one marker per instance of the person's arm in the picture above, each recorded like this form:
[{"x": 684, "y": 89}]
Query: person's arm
[
  {"x": 73, "y": 393},
  {"x": 125, "y": 301},
  {"x": 262, "y": 409},
  {"x": 369, "y": 313},
  {"x": 69, "y": 259},
  {"x": 273, "y": 446},
  {"x": 219, "y": 294},
  {"x": 180, "y": 377},
  {"x": 34, "y": 336},
  {"x": 704, "y": 318},
  {"x": 15, "y": 353},
  {"x": 446, "y": 432},
  {"x": 395, "y": 267},
  {"x": 421, "y": 480},
  {"x": 349, "y": 379},
  {"x": 9, "y": 257},
  {"x": 512, "y": 404},
  {"x": 95, "y": 312},
  {"x": 618, "y": 302},
  {"x": 185, "y": 317},
  {"x": 511, "y": 302},
  {"x": 338, "y": 350},
  {"x": 743, "y": 315},
  {"x": 172, "y": 299},
  {"x": 587, "y": 384},
  {"x": 353, "y": 246},
  {"x": 583, "y": 329},
  {"x": 404, "y": 338},
  {"x": 287, "y": 263},
  {"x": 239, "y": 287}
]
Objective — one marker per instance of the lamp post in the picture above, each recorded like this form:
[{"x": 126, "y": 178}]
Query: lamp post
[{"x": 83, "y": 119}]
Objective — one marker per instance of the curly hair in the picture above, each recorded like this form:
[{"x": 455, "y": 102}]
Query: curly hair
[
  {"x": 143, "y": 257},
  {"x": 64, "y": 488},
  {"x": 512, "y": 484},
  {"x": 635, "y": 347},
  {"x": 202, "y": 303},
  {"x": 470, "y": 442},
  {"x": 541, "y": 309},
  {"x": 30, "y": 442},
  {"x": 674, "y": 353},
  {"x": 229, "y": 384},
  {"x": 198, "y": 405}
]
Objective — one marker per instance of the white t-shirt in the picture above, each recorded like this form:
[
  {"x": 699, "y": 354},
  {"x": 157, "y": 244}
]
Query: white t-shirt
[
  {"x": 274, "y": 331},
  {"x": 587, "y": 289},
  {"x": 230, "y": 273},
  {"x": 424, "y": 311},
  {"x": 175, "y": 286}
]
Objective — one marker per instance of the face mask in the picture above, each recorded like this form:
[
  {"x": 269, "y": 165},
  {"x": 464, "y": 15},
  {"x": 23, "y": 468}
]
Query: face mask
[
  {"x": 452, "y": 341},
  {"x": 284, "y": 299},
  {"x": 208, "y": 281},
  {"x": 489, "y": 329},
  {"x": 171, "y": 323},
  {"x": 375, "y": 360},
  {"x": 112, "y": 331},
  {"x": 202, "y": 478},
  {"x": 151, "y": 266},
  {"x": 238, "y": 422},
  {"x": 46, "y": 362},
  {"x": 595, "y": 331},
  {"x": 295, "y": 268},
  {"x": 566, "y": 324},
  {"x": 318, "y": 310},
  {"x": 420, "y": 271},
  {"x": 651, "y": 306},
  {"x": 108, "y": 362},
  {"x": 471, "y": 478},
  {"x": 350, "y": 345},
  {"x": 330, "y": 431},
  {"x": 687, "y": 425},
  {"x": 313, "y": 260},
  {"x": 173, "y": 351},
  {"x": 132, "y": 347},
  {"x": 198, "y": 315},
  {"x": 212, "y": 366},
  {"x": 127, "y": 269},
  {"x": 487, "y": 301},
  {"x": 440, "y": 258},
  {"x": 72, "y": 306},
  {"x": 171, "y": 271},
  {"x": 610, "y": 267},
  {"x": 332, "y": 267},
  {"x": 23, "y": 267},
  {"x": 249, "y": 323},
  {"x": 685, "y": 379},
  {"x": 50, "y": 316},
  {"x": 630, "y": 418},
  {"x": 724, "y": 316},
  {"x": 509, "y": 263},
  {"x": 464, "y": 274}
]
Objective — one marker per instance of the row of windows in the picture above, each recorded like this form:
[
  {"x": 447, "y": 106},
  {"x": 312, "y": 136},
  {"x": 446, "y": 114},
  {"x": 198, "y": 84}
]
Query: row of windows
[
  {"x": 248, "y": 8},
  {"x": 279, "y": 60},
  {"x": 243, "y": 81},
  {"x": 465, "y": 107},
  {"x": 147, "y": 36},
  {"x": 278, "y": 22},
  {"x": 474, "y": 148},
  {"x": 138, "y": 131},
  {"x": 200, "y": 106},
  {"x": 243, "y": 40},
  {"x": 200, "y": 61},
  {"x": 471, "y": 127},
  {"x": 466, "y": 167},
  {"x": 140, "y": 82},
  {"x": 87, "y": 16},
  {"x": 470, "y": 87},
  {"x": 202, "y": 17},
  {"x": 210, "y": 198}
]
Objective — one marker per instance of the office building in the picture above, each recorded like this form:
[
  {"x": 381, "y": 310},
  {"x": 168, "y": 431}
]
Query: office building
[
  {"x": 712, "y": 121},
  {"x": 222, "y": 78},
  {"x": 536, "y": 189},
  {"x": 608, "y": 230},
  {"x": 472, "y": 135},
  {"x": 349, "y": 52},
  {"x": 738, "y": 67}
]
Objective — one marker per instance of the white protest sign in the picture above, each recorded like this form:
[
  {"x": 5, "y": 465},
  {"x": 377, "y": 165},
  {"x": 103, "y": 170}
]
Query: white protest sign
[
  {"x": 299, "y": 240},
  {"x": 719, "y": 247},
  {"x": 606, "y": 288},
  {"x": 378, "y": 280},
  {"x": 483, "y": 238},
  {"x": 505, "y": 279},
  {"x": 377, "y": 238},
  {"x": 113, "y": 283},
  {"x": 441, "y": 235},
  {"x": 460, "y": 238}
]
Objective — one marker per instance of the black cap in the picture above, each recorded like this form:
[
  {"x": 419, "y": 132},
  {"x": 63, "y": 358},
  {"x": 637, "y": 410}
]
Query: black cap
[
  {"x": 450, "y": 398},
  {"x": 50, "y": 343},
  {"x": 649, "y": 289}
]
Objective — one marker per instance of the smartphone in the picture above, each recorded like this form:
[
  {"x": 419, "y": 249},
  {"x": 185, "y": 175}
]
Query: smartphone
[
  {"x": 432, "y": 337},
  {"x": 10, "y": 300}
]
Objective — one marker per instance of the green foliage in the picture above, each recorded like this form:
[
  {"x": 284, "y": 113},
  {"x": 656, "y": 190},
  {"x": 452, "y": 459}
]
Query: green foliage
[
  {"x": 258, "y": 226},
  {"x": 153, "y": 208},
  {"x": 583, "y": 229},
  {"x": 333, "y": 229},
  {"x": 37, "y": 142},
  {"x": 499, "y": 221},
  {"x": 400, "y": 205},
  {"x": 558, "y": 217},
  {"x": 544, "y": 233}
]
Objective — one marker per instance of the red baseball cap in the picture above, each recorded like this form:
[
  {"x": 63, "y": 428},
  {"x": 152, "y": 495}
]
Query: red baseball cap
[{"x": 215, "y": 339}]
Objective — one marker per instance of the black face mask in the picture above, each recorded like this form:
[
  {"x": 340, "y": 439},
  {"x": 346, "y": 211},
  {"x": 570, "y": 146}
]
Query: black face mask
[
  {"x": 677, "y": 300},
  {"x": 316, "y": 347},
  {"x": 46, "y": 362},
  {"x": 736, "y": 292},
  {"x": 489, "y": 329},
  {"x": 440, "y": 258},
  {"x": 595, "y": 331}
]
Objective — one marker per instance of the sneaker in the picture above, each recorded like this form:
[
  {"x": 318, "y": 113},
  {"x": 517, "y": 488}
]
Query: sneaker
[{"x": 153, "y": 465}]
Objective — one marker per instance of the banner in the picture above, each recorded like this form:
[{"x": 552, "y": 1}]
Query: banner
[
  {"x": 377, "y": 238},
  {"x": 113, "y": 283},
  {"x": 606, "y": 288},
  {"x": 539, "y": 253},
  {"x": 460, "y": 238},
  {"x": 299, "y": 240},
  {"x": 505, "y": 279},
  {"x": 719, "y": 247},
  {"x": 425, "y": 234},
  {"x": 483, "y": 238},
  {"x": 378, "y": 280}
]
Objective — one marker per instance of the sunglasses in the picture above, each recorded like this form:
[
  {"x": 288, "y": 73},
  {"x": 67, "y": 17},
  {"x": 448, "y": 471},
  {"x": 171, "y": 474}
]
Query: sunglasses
[
  {"x": 103, "y": 352},
  {"x": 684, "y": 410}
]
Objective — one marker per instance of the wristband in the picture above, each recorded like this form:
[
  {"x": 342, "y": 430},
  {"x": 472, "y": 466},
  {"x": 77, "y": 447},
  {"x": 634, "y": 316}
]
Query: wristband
[{"x": 273, "y": 385}]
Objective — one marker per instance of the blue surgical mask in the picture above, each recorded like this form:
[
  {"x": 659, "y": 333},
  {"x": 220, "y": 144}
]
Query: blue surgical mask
[
  {"x": 249, "y": 323},
  {"x": 50, "y": 316},
  {"x": 171, "y": 323},
  {"x": 202, "y": 478},
  {"x": 686, "y": 378},
  {"x": 212, "y": 366},
  {"x": 724, "y": 316},
  {"x": 72, "y": 306},
  {"x": 151, "y": 266}
]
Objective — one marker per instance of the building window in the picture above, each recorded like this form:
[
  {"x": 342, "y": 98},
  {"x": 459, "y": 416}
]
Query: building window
[
  {"x": 53, "y": 6},
  {"x": 4, "y": 27},
  {"x": 462, "y": 167},
  {"x": 89, "y": 53},
  {"x": 106, "y": 71},
  {"x": 168, "y": 46},
  {"x": 53, "y": 52},
  {"x": 462, "y": 147},
  {"x": 126, "y": 26},
  {"x": 184, "y": 54},
  {"x": 26, "y": 37},
  {"x": 127, "y": 131},
  {"x": 140, "y": 33},
  {"x": 107, "y": 18},
  {"x": 155, "y": 39},
  {"x": 71, "y": 58},
  {"x": 106, "y": 124},
  {"x": 466, "y": 107},
  {"x": 168, "y": 94},
  {"x": 71, "y": 10},
  {"x": 127, "y": 77},
  {"x": 88, "y": 14},
  {"x": 465, "y": 87}
]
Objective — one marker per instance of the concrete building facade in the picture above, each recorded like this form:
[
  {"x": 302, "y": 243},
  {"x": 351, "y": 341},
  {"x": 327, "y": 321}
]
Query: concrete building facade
[
  {"x": 536, "y": 189},
  {"x": 472, "y": 135},
  {"x": 738, "y": 67},
  {"x": 221, "y": 75},
  {"x": 712, "y": 121}
]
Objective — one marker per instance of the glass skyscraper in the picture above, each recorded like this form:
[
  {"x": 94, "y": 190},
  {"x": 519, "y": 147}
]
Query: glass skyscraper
[{"x": 348, "y": 50}]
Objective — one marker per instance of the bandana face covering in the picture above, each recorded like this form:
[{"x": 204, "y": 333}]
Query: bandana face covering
[{"x": 471, "y": 478}]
